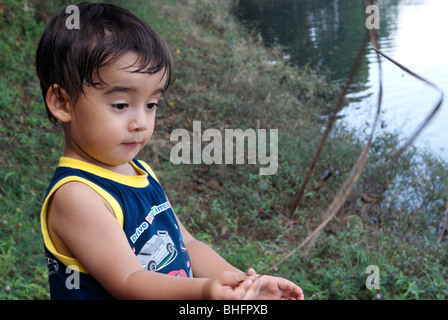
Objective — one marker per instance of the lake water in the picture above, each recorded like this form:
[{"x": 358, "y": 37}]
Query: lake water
[{"x": 327, "y": 35}]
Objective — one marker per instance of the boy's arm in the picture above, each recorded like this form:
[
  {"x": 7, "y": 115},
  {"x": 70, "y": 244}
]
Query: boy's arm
[
  {"x": 205, "y": 262},
  {"x": 80, "y": 218}
]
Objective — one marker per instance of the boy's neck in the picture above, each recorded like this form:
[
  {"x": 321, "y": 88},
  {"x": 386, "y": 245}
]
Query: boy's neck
[{"x": 125, "y": 169}]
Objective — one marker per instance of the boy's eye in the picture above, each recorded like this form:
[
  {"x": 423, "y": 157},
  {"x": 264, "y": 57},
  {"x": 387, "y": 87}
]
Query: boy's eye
[
  {"x": 151, "y": 106},
  {"x": 119, "y": 106}
]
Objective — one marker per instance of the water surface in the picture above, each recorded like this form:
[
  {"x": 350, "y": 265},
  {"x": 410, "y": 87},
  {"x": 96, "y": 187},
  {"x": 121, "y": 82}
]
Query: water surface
[{"x": 328, "y": 34}]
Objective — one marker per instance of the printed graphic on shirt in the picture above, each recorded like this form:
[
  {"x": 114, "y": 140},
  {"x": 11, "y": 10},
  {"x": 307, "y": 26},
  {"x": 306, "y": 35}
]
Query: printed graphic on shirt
[
  {"x": 155, "y": 210},
  {"x": 183, "y": 248},
  {"x": 52, "y": 265},
  {"x": 158, "y": 252},
  {"x": 178, "y": 273}
]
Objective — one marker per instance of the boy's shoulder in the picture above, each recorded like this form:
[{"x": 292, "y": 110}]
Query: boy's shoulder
[{"x": 75, "y": 194}]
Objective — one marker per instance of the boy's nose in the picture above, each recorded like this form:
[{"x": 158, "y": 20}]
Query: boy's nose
[{"x": 138, "y": 121}]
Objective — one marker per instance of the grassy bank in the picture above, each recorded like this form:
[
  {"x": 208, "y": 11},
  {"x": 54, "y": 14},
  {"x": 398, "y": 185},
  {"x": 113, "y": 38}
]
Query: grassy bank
[{"x": 224, "y": 79}]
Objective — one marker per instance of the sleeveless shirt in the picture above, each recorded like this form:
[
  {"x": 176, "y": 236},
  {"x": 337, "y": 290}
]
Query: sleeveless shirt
[{"x": 142, "y": 209}]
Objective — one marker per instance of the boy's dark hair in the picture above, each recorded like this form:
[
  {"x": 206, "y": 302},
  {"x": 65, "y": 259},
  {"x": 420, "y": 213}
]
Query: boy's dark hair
[{"x": 69, "y": 57}]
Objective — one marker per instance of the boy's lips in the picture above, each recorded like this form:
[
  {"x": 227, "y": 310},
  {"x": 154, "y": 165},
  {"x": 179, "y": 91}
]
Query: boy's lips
[{"x": 132, "y": 144}]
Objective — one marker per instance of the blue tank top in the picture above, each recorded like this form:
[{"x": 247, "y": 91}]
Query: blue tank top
[{"x": 140, "y": 206}]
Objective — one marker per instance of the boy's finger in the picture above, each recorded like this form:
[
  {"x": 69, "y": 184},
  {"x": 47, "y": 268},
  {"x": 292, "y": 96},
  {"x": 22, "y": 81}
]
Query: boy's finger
[
  {"x": 242, "y": 289},
  {"x": 254, "y": 291},
  {"x": 291, "y": 289},
  {"x": 299, "y": 294},
  {"x": 251, "y": 272},
  {"x": 233, "y": 279}
]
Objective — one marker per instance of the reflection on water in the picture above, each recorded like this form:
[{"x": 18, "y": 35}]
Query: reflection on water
[{"x": 328, "y": 34}]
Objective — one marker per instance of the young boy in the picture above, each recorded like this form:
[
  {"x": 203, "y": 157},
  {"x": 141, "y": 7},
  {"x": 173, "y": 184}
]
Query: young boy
[{"x": 105, "y": 213}]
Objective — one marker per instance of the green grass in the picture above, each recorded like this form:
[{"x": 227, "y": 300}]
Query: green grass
[{"x": 223, "y": 79}]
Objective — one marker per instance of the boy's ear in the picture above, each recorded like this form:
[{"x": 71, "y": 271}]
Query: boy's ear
[{"x": 58, "y": 103}]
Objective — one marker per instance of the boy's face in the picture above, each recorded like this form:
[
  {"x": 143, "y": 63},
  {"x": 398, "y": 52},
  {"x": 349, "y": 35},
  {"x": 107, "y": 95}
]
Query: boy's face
[{"x": 113, "y": 121}]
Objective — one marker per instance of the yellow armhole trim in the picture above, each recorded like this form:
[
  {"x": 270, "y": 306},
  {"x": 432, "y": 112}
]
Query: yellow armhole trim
[
  {"x": 67, "y": 261},
  {"x": 148, "y": 168}
]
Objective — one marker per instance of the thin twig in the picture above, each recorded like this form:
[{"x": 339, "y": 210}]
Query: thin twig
[
  {"x": 423, "y": 125},
  {"x": 355, "y": 173},
  {"x": 329, "y": 127}
]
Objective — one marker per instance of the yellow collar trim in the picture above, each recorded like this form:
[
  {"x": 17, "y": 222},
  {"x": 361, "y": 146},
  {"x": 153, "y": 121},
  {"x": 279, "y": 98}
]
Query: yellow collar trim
[{"x": 138, "y": 181}]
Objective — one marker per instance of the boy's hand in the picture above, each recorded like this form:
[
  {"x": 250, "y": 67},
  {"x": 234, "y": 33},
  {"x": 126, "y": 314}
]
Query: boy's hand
[
  {"x": 233, "y": 286},
  {"x": 227, "y": 286},
  {"x": 271, "y": 288}
]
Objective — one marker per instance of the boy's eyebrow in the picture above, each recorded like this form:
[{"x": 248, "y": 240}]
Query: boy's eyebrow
[
  {"x": 117, "y": 89},
  {"x": 127, "y": 89}
]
